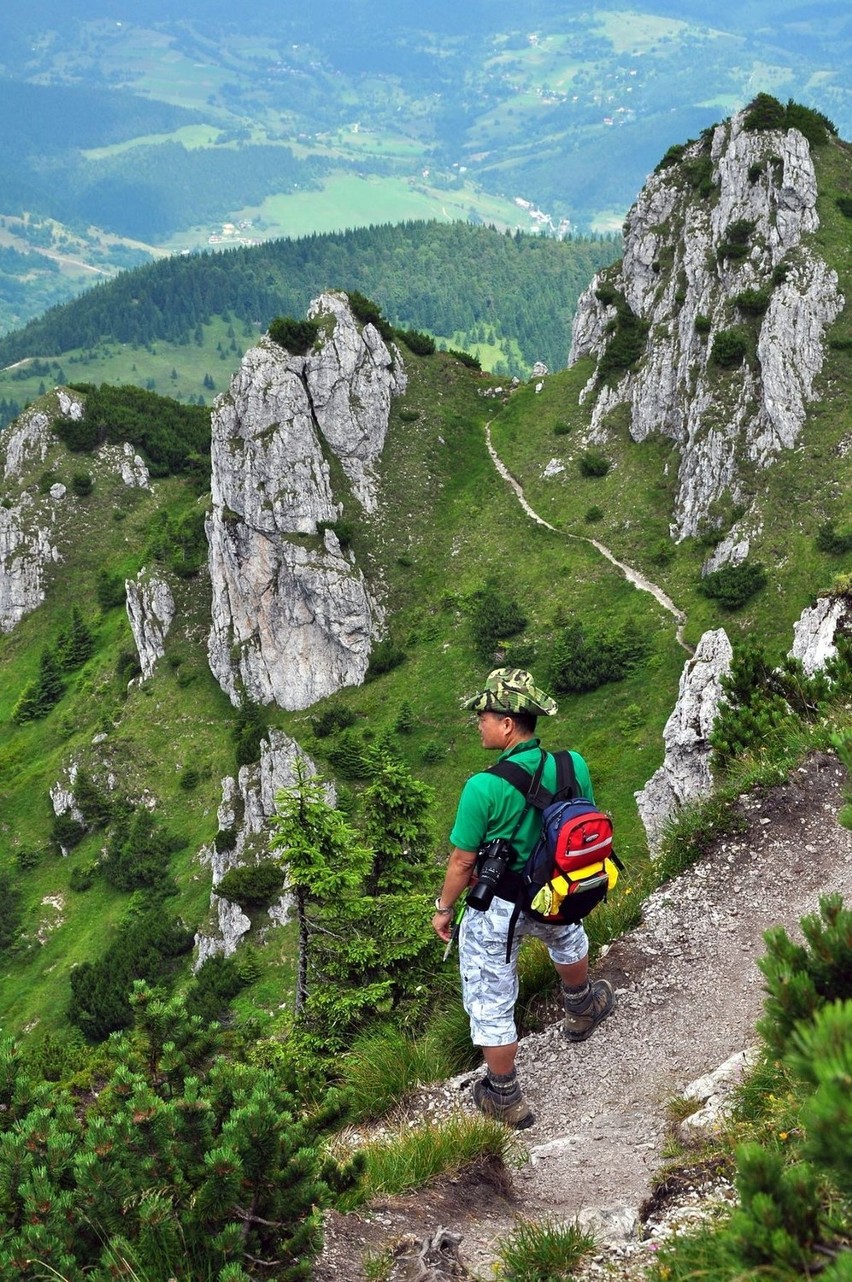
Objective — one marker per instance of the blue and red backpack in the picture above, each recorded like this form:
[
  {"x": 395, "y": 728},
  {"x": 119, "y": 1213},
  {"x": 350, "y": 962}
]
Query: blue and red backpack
[{"x": 573, "y": 865}]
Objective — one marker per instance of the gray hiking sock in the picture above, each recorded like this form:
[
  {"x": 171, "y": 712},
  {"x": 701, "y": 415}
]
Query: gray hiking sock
[
  {"x": 503, "y": 1083},
  {"x": 576, "y": 996}
]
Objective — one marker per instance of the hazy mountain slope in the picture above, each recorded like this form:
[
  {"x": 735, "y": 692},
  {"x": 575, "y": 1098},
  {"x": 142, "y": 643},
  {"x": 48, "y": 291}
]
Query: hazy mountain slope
[
  {"x": 511, "y": 298},
  {"x": 326, "y": 118}
]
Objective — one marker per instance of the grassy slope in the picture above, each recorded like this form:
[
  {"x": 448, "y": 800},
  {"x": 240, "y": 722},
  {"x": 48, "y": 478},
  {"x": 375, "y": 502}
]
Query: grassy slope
[{"x": 180, "y": 718}]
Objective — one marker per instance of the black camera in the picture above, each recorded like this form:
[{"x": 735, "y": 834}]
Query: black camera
[{"x": 491, "y": 863}]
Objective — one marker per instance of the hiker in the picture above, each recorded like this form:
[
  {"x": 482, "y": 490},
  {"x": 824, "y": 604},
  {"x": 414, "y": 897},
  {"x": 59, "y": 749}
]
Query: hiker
[{"x": 489, "y": 808}]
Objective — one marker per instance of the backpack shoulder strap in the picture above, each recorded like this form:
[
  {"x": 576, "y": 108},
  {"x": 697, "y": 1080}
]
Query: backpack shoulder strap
[
  {"x": 528, "y": 785},
  {"x": 566, "y": 777}
]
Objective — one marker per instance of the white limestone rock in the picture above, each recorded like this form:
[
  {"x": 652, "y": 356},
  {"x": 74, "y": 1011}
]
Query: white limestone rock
[
  {"x": 29, "y": 520},
  {"x": 248, "y": 804},
  {"x": 26, "y": 550},
  {"x": 685, "y": 775},
  {"x": 27, "y": 442},
  {"x": 351, "y": 375},
  {"x": 124, "y": 461},
  {"x": 64, "y": 801},
  {"x": 673, "y": 390},
  {"x": 292, "y": 620},
  {"x": 714, "y": 1091},
  {"x": 815, "y": 631},
  {"x": 133, "y": 469},
  {"x": 151, "y": 610}
]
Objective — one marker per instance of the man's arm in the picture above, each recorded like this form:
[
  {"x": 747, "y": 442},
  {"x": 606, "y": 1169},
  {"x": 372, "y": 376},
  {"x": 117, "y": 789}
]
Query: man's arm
[{"x": 457, "y": 878}]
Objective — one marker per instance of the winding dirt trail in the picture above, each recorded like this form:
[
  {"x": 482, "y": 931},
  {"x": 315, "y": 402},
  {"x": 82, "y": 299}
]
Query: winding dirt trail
[{"x": 633, "y": 576}]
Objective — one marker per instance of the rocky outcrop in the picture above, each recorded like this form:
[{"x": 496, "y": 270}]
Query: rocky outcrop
[
  {"x": 64, "y": 801},
  {"x": 26, "y": 549},
  {"x": 150, "y": 609},
  {"x": 30, "y": 520},
  {"x": 27, "y": 441},
  {"x": 351, "y": 375},
  {"x": 292, "y": 617},
  {"x": 27, "y": 517},
  {"x": 815, "y": 632},
  {"x": 685, "y": 775},
  {"x": 248, "y": 804},
  {"x": 130, "y": 466},
  {"x": 681, "y": 276}
]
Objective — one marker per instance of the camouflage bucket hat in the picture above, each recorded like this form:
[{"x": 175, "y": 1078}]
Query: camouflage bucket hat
[{"x": 511, "y": 690}]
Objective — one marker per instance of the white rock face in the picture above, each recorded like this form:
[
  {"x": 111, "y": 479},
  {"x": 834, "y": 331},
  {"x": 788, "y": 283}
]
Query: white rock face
[
  {"x": 27, "y": 545},
  {"x": 292, "y": 618},
  {"x": 685, "y": 775},
  {"x": 26, "y": 549},
  {"x": 26, "y": 442},
  {"x": 350, "y": 378},
  {"x": 151, "y": 610},
  {"x": 64, "y": 801},
  {"x": 815, "y": 632},
  {"x": 248, "y": 803},
  {"x": 674, "y": 269}
]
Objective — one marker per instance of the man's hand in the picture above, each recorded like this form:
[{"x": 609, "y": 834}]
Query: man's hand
[
  {"x": 459, "y": 869},
  {"x": 442, "y": 924}
]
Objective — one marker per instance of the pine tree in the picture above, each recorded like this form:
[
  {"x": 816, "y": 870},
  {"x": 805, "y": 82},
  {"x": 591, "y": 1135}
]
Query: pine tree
[
  {"x": 821, "y": 1055},
  {"x": 362, "y": 910},
  {"x": 405, "y": 719},
  {"x": 185, "y": 1165},
  {"x": 323, "y": 859},
  {"x": 77, "y": 643},
  {"x": 801, "y": 978},
  {"x": 395, "y": 806}
]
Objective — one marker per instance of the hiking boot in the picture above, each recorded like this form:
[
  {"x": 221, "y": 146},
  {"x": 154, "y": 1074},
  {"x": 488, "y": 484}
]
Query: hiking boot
[
  {"x": 505, "y": 1105},
  {"x": 582, "y": 1017}
]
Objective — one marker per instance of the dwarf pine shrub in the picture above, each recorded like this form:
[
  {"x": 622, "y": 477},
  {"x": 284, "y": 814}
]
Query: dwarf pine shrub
[
  {"x": 295, "y": 336},
  {"x": 252, "y": 886},
  {"x": 733, "y": 585},
  {"x": 729, "y": 348},
  {"x": 801, "y": 978}
]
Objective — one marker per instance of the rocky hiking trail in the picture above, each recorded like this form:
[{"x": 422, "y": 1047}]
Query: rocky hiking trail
[{"x": 689, "y": 993}]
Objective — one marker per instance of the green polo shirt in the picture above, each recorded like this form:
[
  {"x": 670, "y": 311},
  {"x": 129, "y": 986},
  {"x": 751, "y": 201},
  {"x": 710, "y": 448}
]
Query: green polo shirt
[{"x": 489, "y": 806}]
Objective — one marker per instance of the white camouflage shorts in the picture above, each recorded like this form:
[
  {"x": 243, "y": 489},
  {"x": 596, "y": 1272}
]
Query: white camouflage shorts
[{"x": 489, "y": 982}]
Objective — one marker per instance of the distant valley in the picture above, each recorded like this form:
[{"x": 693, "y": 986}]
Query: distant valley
[{"x": 210, "y": 127}]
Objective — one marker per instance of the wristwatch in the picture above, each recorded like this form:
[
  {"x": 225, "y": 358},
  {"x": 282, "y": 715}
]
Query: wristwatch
[{"x": 444, "y": 912}]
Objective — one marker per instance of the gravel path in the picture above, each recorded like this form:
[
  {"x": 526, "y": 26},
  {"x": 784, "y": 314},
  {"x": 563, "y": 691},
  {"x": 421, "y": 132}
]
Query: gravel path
[{"x": 689, "y": 993}]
